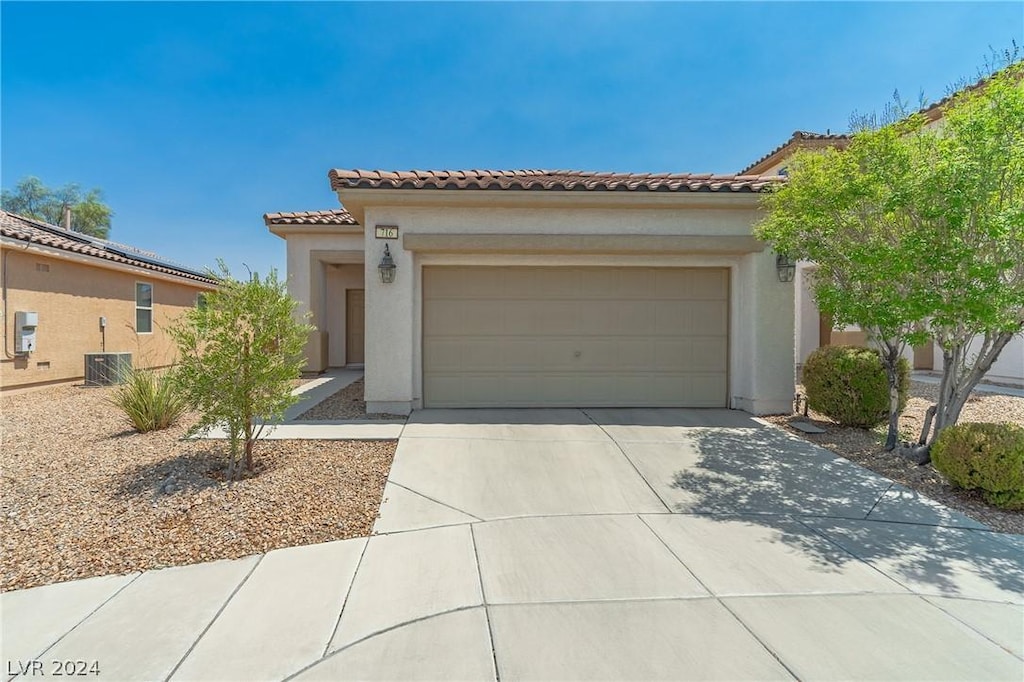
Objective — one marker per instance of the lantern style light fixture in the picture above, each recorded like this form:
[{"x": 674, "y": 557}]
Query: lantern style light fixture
[
  {"x": 786, "y": 267},
  {"x": 387, "y": 267}
]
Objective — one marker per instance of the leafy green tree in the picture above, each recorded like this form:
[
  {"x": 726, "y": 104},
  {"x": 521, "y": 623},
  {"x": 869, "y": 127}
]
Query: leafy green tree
[
  {"x": 239, "y": 353},
  {"x": 840, "y": 209},
  {"x": 918, "y": 233},
  {"x": 32, "y": 199},
  {"x": 970, "y": 205}
]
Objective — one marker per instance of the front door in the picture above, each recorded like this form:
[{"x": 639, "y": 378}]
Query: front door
[{"x": 354, "y": 326}]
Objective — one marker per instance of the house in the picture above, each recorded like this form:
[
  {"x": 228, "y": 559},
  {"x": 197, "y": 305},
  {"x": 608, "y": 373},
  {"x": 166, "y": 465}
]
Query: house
[
  {"x": 538, "y": 288},
  {"x": 812, "y": 329},
  {"x": 66, "y": 294}
]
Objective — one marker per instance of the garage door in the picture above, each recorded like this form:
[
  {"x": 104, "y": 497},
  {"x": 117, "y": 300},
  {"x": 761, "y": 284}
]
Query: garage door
[{"x": 581, "y": 337}]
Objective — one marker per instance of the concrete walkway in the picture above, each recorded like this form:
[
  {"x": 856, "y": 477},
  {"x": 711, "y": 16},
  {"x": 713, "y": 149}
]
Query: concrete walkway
[
  {"x": 577, "y": 545},
  {"x": 314, "y": 392}
]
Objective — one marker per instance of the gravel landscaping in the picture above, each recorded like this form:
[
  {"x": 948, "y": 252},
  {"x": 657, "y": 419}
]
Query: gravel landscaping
[
  {"x": 865, "y": 448},
  {"x": 346, "y": 404},
  {"x": 82, "y": 494}
]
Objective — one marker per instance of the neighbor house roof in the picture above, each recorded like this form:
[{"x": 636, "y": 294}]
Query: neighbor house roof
[
  {"x": 801, "y": 139},
  {"x": 552, "y": 180},
  {"x": 33, "y": 231},
  {"x": 805, "y": 139},
  {"x": 336, "y": 216}
]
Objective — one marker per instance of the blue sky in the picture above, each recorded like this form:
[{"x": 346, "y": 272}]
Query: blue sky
[{"x": 198, "y": 118}]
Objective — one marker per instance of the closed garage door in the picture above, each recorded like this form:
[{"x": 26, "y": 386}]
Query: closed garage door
[{"x": 582, "y": 337}]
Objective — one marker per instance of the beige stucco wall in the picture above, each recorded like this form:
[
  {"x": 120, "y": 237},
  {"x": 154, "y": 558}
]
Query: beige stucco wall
[
  {"x": 340, "y": 278},
  {"x": 70, "y": 297},
  {"x": 761, "y": 308},
  {"x": 309, "y": 257}
]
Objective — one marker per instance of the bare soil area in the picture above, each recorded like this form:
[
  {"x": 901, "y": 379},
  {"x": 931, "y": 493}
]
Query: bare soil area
[
  {"x": 82, "y": 494},
  {"x": 865, "y": 448},
  {"x": 345, "y": 404}
]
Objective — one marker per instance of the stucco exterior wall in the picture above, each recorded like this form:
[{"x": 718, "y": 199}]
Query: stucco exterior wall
[
  {"x": 340, "y": 278},
  {"x": 309, "y": 256},
  {"x": 761, "y": 308},
  {"x": 70, "y": 297}
]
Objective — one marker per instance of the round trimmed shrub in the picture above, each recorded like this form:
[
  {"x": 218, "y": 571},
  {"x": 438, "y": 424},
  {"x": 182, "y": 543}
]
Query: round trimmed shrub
[
  {"x": 848, "y": 384},
  {"x": 985, "y": 457}
]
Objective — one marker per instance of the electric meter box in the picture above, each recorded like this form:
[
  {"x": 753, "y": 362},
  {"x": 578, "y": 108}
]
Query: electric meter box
[{"x": 25, "y": 324}]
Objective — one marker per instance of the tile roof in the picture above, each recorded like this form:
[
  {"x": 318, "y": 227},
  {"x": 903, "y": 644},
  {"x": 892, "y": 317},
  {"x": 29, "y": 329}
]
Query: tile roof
[
  {"x": 336, "y": 216},
  {"x": 35, "y": 232},
  {"x": 553, "y": 180},
  {"x": 800, "y": 137}
]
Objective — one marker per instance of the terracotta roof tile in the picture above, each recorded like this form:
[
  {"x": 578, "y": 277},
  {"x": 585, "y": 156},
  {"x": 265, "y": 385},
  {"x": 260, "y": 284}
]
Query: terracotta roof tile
[
  {"x": 801, "y": 137},
  {"x": 336, "y": 216},
  {"x": 552, "y": 180},
  {"x": 32, "y": 231}
]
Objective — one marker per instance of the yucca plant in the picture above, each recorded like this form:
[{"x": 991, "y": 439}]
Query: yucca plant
[{"x": 150, "y": 401}]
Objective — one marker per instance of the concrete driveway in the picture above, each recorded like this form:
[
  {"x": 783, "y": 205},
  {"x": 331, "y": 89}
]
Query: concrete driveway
[{"x": 578, "y": 545}]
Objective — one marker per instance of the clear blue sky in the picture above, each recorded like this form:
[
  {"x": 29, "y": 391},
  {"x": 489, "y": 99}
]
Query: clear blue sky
[{"x": 197, "y": 118}]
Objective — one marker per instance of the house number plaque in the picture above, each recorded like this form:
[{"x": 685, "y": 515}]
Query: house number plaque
[{"x": 387, "y": 231}]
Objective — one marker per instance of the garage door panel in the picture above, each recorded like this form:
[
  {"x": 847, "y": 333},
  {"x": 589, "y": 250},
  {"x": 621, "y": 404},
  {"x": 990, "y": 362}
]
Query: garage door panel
[
  {"x": 691, "y": 318},
  {"x": 526, "y": 336}
]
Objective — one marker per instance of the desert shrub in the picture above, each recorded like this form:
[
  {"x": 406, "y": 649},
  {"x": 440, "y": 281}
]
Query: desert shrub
[
  {"x": 985, "y": 457},
  {"x": 150, "y": 401},
  {"x": 848, "y": 384}
]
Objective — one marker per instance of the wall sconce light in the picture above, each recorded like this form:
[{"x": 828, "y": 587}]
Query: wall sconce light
[
  {"x": 786, "y": 267},
  {"x": 387, "y": 267}
]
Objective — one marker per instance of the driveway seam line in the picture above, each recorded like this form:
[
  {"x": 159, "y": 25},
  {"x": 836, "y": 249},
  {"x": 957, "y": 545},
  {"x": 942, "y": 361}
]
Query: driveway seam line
[
  {"x": 928, "y": 600},
  {"x": 344, "y": 602},
  {"x": 85, "y": 618},
  {"x": 428, "y": 497},
  {"x": 856, "y": 556},
  {"x": 377, "y": 633},
  {"x": 483, "y": 598},
  {"x": 764, "y": 645},
  {"x": 721, "y": 603},
  {"x": 217, "y": 615},
  {"x": 879, "y": 500},
  {"x": 631, "y": 463}
]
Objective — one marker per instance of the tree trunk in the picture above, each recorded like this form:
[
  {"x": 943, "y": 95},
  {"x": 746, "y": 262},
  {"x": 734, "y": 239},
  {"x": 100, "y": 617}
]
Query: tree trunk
[
  {"x": 960, "y": 378},
  {"x": 891, "y": 359}
]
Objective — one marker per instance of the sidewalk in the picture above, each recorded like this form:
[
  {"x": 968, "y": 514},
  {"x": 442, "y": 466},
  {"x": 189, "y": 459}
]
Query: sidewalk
[{"x": 313, "y": 393}]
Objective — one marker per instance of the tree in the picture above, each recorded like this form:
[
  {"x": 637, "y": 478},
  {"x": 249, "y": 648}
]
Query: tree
[
  {"x": 918, "y": 233},
  {"x": 841, "y": 210},
  {"x": 32, "y": 199},
  {"x": 239, "y": 352},
  {"x": 971, "y": 201}
]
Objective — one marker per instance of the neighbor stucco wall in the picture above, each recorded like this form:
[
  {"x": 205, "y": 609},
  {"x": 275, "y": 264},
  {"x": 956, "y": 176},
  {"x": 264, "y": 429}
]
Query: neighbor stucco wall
[
  {"x": 70, "y": 297},
  {"x": 761, "y": 308},
  {"x": 1008, "y": 367}
]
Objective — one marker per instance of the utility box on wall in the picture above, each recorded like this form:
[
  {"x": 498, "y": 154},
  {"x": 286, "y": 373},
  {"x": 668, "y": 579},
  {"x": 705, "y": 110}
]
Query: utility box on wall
[
  {"x": 106, "y": 369},
  {"x": 25, "y": 324}
]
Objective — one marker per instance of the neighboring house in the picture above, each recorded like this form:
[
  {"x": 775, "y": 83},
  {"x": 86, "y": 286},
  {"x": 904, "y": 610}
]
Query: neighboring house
[
  {"x": 89, "y": 295},
  {"x": 545, "y": 289},
  {"x": 812, "y": 329}
]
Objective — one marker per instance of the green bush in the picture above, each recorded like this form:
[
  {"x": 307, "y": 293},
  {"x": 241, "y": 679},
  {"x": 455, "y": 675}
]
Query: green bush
[
  {"x": 986, "y": 457},
  {"x": 848, "y": 384},
  {"x": 150, "y": 401}
]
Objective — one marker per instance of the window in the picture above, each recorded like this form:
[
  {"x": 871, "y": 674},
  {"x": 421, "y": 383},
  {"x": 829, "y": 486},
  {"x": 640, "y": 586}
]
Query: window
[
  {"x": 143, "y": 308},
  {"x": 201, "y": 301}
]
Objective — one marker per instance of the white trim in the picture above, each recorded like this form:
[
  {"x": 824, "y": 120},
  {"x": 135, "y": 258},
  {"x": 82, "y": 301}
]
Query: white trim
[{"x": 152, "y": 304}]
